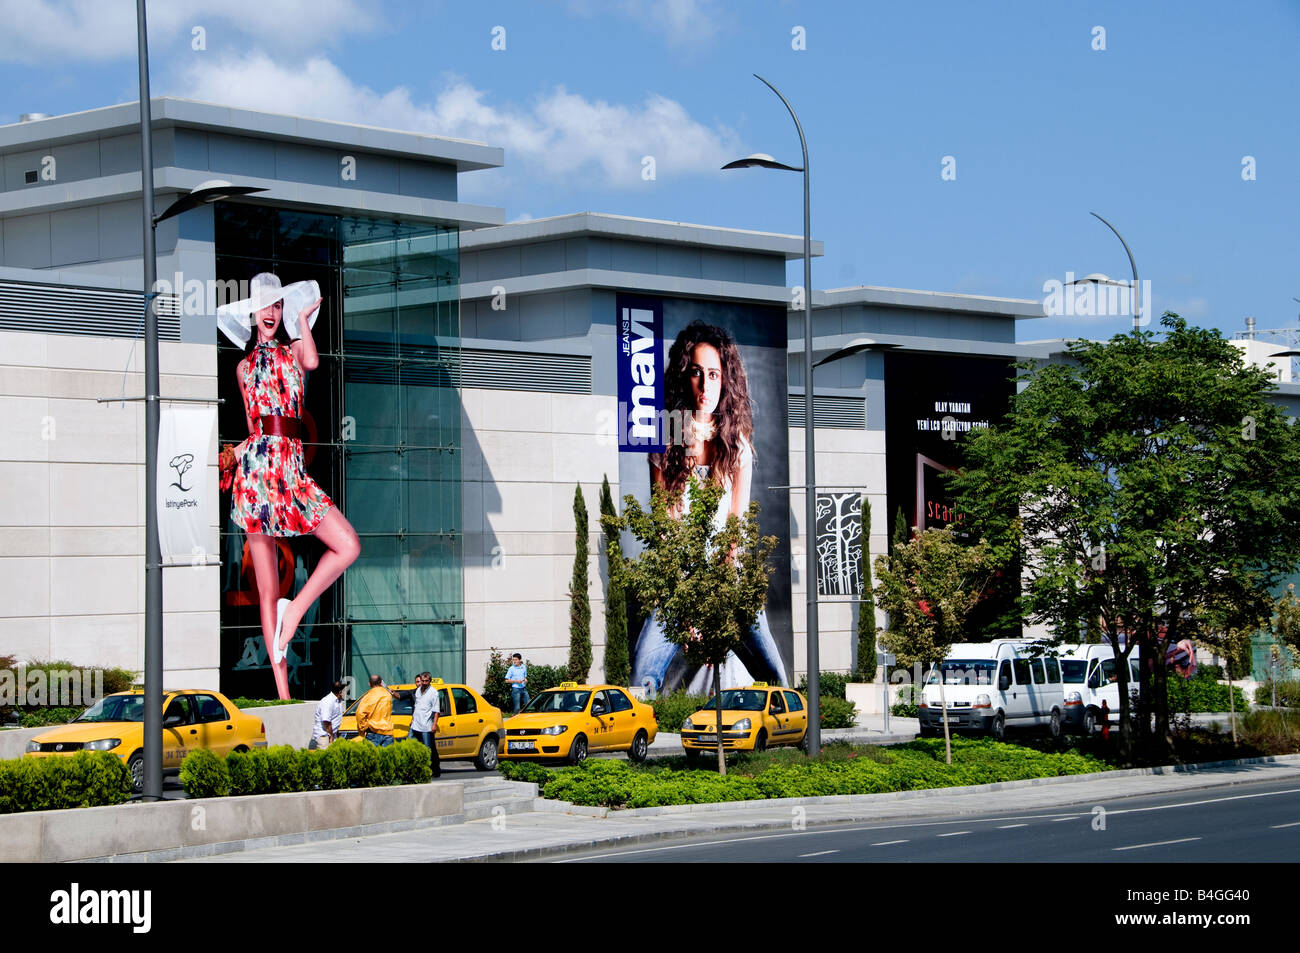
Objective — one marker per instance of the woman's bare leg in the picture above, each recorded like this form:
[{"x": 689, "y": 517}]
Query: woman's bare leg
[
  {"x": 265, "y": 556},
  {"x": 342, "y": 548}
]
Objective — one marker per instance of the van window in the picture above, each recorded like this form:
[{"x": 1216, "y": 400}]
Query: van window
[
  {"x": 1022, "y": 671},
  {"x": 962, "y": 672},
  {"x": 1053, "y": 672},
  {"x": 1004, "y": 671},
  {"x": 1074, "y": 670},
  {"x": 1108, "y": 673},
  {"x": 1134, "y": 670},
  {"x": 1040, "y": 677}
]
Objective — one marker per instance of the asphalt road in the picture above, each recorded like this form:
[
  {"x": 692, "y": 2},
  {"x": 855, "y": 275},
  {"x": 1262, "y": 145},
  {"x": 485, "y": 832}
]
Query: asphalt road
[{"x": 1244, "y": 823}]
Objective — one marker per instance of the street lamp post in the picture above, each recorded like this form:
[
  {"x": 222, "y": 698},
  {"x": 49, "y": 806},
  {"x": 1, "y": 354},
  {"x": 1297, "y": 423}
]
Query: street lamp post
[
  {"x": 1103, "y": 280},
  {"x": 204, "y": 194},
  {"x": 810, "y": 468}
]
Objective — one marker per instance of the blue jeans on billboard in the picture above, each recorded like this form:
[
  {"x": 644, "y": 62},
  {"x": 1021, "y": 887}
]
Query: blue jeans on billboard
[
  {"x": 518, "y": 692},
  {"x": 381, "y": 741},
  {"x": 426, "y": 738},
  {"x": 660, "y": 666}
]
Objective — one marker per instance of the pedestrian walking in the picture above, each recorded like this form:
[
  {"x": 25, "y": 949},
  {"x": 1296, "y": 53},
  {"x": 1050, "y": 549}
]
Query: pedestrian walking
[{"x": 517, "y": 679}]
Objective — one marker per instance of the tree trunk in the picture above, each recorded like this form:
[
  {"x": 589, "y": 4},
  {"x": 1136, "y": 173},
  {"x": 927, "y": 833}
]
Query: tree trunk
[
  {"x": 1125, "y": 701},
  {"x": 717, "y": 698},
  {"x": 943, "y": 700}
]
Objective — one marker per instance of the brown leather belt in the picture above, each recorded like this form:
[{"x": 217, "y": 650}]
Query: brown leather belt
[{"x": 281, "y": 427}]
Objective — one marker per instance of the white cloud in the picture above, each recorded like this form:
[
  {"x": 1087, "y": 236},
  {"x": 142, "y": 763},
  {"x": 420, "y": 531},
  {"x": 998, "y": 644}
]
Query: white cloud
[
  {"x": 560, "y": 134},
  {"x": 35, "y": 31},
  {"x": 689, "y": 23}
]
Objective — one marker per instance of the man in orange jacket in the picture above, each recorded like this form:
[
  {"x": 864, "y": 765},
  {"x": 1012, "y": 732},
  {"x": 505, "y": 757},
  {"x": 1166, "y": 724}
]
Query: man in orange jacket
[{"x": 375, "y": 714}]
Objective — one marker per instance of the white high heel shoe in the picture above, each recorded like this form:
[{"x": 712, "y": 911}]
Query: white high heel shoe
[{"x": 278, "y": 654}]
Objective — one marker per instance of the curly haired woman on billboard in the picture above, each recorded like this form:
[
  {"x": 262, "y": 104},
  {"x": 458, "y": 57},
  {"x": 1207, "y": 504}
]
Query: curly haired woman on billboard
[
  {"x": 706, "y": 388},
  {"x": 273, "y": 495}
]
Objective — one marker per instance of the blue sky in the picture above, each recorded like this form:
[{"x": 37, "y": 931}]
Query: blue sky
[{"x": 1041, "y": 127}]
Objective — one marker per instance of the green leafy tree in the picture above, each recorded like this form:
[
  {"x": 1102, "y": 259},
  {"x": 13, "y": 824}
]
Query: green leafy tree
[
  {"x": 617, "y": 665},
  {"x": 866, "y": 605},
  {"x": 1147, "y": 486},
  {"x": 706, "y": 587},
  {"x": 579, "y": 599},
  {"x": 901, "y": 533},
  {"x": 929, "y": 586}
]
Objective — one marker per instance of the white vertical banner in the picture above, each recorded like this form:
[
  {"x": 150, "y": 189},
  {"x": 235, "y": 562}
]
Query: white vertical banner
[{"x": 185, "y": 503}]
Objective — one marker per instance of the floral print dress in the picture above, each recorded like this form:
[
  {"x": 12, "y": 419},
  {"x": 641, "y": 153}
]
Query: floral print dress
[{"x": 272, "y": 492}]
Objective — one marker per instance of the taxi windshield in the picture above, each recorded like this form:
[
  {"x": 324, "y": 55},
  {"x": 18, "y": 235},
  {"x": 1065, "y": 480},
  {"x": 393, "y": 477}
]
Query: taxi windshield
[
  {"x": 115, "y": 708},
  {"x": 740, "y": 699},
  {"x": 402, "y": 702},
  {"x": 558, "y": 700}
]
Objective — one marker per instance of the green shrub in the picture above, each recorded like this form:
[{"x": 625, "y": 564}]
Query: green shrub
[
  {"x": 542, "y": 677},
  {"x": 909, "y": 697},
  {"x": 40, "y": 717},
  {"x": 247, "y": 771},
  {"x": 243, "y": 702},
  {"x": 527, "y": 771},
  {"x": 837, "y": 713},
  {"x": 409, "y": 761},
  {"x": 334, "y": 763},
  {"x": 1270, "y": 732},
  {"x": 1288, "y": 694},
  {"x": 1201, "y": 693},
  {"x": 309, "y": 768},
  {"x": 86, "y": 779},
  {"x": 674, "y": 708},
  {"x": 204, "y": 774},
  {"x": 831, "y": 683},
  {"x": 282, "y": 773},
  {"x": 495, "y": 690}
]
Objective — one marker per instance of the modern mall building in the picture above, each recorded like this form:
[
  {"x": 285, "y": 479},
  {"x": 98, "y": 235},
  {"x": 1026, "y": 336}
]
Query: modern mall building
[{"x": 468, "y": 383}]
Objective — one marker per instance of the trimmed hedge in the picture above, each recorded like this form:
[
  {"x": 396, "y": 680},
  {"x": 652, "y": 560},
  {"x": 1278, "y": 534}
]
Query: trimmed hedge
[
  {"x": 907, "y": 705},
  {"x": 1288, "y": 694},
  {"x": 283, "y": 769},
  {"x": 1202, "y": 692},
  {"x": 674, "y": 708},
  {"x": 837, "y": 713},
  {"x": 86, "y": 779},
  {"x": 830, "y": 683},
  {"x": 913, "y": 766}
]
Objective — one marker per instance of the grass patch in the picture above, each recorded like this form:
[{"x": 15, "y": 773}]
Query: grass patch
[
  {"x": 840, "y": 769},
  {"x": 242, "y": 703}
]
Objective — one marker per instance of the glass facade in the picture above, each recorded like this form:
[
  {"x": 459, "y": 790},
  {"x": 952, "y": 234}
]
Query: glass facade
[{"x": 383, "y": 440}]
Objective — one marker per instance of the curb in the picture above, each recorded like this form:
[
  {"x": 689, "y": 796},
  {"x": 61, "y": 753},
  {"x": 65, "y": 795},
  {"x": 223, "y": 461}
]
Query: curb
[{"x": 848, "y": 800}]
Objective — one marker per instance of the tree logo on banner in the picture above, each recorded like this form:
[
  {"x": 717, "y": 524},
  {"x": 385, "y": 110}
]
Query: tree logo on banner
[
  {"x": 181, "y": 463},
  {"x": 839, "y": 544}
]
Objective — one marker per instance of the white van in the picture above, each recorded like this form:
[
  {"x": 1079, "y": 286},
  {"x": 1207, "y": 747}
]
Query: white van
[
  {"x": 993, "y": 686},
  {"x": 1089, "y": 673}
]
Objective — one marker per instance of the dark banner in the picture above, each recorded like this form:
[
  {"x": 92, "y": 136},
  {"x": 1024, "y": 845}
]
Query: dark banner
[
  {"x": 839, "y": 544},
  {"x": 724, "y": 374},
  {"x": 639, "y": 352}
]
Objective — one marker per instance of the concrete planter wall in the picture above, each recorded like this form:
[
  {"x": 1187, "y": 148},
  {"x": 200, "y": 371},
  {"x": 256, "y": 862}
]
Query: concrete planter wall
[
  {"x": 867, "y": 696},
  {"x": 167, "y": 830}
]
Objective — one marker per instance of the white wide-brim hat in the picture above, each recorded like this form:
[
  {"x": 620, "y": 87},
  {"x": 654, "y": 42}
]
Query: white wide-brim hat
[{"x": 235, "y": 319}]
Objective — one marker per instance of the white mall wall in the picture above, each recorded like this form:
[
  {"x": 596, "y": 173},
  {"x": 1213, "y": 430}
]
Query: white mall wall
[
  {"x": 524, "y": 453},
  {"x": 72, "y": 507}
]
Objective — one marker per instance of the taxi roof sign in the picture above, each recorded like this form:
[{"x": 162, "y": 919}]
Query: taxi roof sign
[
  {"x": 759, "y": 685},
  {"x": 436, "y": 681},
  {"x": 568, "y": 685}
]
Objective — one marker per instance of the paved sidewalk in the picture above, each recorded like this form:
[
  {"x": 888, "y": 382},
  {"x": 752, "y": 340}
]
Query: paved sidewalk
[{"x": 547, "y": 832}]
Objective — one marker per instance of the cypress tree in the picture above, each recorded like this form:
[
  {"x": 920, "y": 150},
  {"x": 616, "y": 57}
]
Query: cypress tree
[
  {"x": 617, "y": 666},
  {"x": 866, "y": 605},
  {"x": 579, "y": 600},
  {"x": 901, "y": 535}
]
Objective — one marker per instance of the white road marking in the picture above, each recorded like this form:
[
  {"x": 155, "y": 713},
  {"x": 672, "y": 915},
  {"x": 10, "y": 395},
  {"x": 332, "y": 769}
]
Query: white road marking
[
  {"x": 819, "y": 853},
  {"x": 1007, "y": 827},
  {"x": 1057, "y": 820},
  {"x": 1161, "y": 843},
  {"x": 886, "y": 843},
  {"x": 1279, "y": 826},
  {"x": 953, "y": 834}
]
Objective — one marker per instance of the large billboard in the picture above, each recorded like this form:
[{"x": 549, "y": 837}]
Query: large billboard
[{"x": 721, "y": 402}]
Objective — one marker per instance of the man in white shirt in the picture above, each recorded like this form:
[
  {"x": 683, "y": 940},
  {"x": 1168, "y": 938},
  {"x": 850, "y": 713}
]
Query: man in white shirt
[
  {"x": 424, "y": 717},
  {"x": 329, "y": 713}
]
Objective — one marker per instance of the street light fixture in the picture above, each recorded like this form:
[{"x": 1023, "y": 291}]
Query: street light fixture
[
  {"x": 765, "y": 161},
  {"x": 1099, "y": 279},
  {"x": 205, "y": 193}
]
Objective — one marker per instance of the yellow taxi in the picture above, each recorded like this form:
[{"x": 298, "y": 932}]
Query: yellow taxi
[
  {"x": 469, "y": 728},
  {"x": 192, "y": 718},
  {"x": 760, "y": 716},
  {"x": 571, "y": 721}
]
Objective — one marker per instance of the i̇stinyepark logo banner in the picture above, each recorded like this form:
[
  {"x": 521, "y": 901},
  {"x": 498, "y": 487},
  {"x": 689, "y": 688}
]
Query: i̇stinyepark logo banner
[
  {"x": 639, "y": 346},
  {"x": 184, "y": 497}
]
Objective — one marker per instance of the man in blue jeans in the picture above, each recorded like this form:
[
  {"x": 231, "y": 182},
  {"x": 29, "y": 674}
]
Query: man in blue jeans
[
  {"x": 424, "y": 717},
  {"x": 517, "y": 679}
]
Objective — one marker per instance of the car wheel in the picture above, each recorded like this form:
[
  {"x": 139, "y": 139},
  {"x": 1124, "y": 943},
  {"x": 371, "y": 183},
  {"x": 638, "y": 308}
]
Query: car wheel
[
  {"x": 578, "y": 753},
  {"x": 998, "y": 728},
  {"x": 1054, "y": 725},
  {"x": 136, "y": 767},
  {"x": 760, "y": 743},
  {"x": 487, "y": 754},
  {"x": 1090, "y": 721},
  {"x": 640, "y": 748}
]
